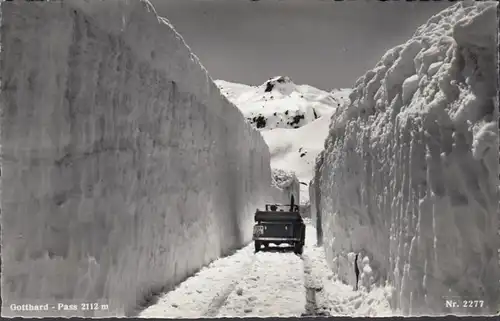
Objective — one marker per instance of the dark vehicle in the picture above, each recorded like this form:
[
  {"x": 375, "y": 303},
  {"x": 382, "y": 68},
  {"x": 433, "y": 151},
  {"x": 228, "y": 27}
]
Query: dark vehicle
[{"x": 279, "y": 224}]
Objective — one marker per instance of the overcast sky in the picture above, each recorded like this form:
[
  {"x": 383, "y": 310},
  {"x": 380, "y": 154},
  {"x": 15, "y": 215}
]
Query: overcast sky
[{"x": 323, "y": 43}]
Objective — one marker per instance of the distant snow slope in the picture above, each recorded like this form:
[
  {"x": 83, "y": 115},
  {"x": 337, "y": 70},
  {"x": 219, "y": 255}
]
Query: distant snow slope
[
  {"x": 119, "y": 157},
  {"x": 293, "y": 145},
  {"x": 410, "y": 172}
]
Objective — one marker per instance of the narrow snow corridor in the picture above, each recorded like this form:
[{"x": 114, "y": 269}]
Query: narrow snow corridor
[
  {"x": 273, "y": 283},
  {"x": 130, "y": 177}
]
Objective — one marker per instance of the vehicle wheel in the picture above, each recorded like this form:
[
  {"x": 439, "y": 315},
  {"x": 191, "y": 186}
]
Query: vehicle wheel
[
  {"x": 298, "y": 249},
  {"x": 257, "y": 246}
]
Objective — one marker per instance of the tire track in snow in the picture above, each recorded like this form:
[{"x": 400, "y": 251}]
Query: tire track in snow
[
  {"x": 221, "y": 298},
  {"x": 273, "y": 287},
  {"x": 201, "y": 293},
  {"x": 313, "y": 285},
  {"x": 336, "y": 298},
  {"x": 318, "y": 276},
  {"x": 315, "y": 270}
]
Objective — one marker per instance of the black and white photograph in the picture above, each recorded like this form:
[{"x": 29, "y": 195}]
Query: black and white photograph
[{"x": 249, "y": 158}]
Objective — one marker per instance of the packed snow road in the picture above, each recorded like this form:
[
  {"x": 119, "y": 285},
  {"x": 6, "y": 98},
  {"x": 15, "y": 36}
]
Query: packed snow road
[{"x": 273, "y": 283}]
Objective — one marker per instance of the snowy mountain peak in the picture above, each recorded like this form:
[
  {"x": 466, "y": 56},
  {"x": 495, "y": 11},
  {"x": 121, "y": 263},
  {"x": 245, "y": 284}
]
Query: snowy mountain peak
[
  {"x": 280, "y": 84},
  {"x": 280, "y": 103},
  {"x": 293, "y": 119}
]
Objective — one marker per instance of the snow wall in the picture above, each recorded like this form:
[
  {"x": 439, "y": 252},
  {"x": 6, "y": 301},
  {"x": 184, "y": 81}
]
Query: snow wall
[
  {"x": 124, "y": 168},
  {"x": 409, "y": 174},
  {"x": 315, "y": 199}
]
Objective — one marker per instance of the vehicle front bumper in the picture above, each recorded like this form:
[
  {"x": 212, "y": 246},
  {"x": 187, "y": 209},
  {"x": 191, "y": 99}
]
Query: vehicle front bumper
[{"x": 276, "y": 239}]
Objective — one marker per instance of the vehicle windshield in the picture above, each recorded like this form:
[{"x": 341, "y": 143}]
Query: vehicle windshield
[{"x": 282, "y": 208}]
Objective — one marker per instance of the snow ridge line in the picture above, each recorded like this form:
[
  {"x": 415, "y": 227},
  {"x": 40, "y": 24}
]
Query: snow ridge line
[
  {"x": 312, "y": 287},
  {"x": 220, "y": 299}
]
